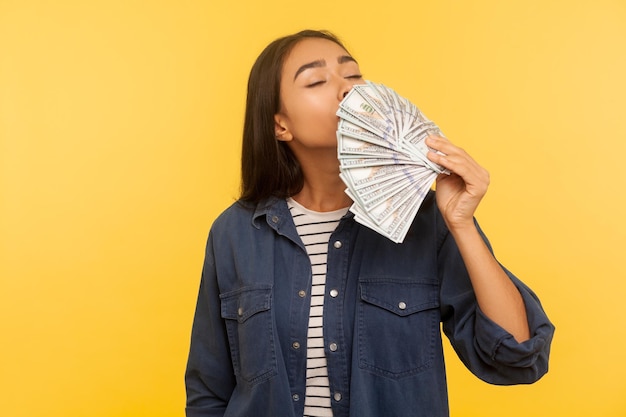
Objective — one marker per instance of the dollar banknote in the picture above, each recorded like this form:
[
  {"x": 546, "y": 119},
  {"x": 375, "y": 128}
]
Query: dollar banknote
[{"x": 383, "y": 158}]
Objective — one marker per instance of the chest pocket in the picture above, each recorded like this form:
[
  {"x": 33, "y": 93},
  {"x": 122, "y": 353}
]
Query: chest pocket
[
  {"x": 248, "y": 316},
  {"x": 398, "y": 326}
]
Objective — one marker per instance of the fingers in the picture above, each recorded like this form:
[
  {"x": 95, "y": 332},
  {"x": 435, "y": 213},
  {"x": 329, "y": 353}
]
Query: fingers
[{"x": 460, "y": 162}]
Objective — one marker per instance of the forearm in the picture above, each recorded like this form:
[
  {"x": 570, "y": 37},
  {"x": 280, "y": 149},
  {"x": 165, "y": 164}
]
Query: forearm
[{"x": 497, "y": 296}]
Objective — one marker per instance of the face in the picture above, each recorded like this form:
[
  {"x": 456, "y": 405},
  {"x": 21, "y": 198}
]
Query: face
[{"x": 316, "y": 76}]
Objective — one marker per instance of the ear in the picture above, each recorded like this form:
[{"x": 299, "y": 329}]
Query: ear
[{"x": 281, "y": 130}]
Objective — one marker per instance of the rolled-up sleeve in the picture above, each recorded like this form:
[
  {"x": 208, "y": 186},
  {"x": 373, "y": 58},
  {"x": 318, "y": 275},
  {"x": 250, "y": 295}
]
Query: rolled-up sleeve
[{"x": 488, "y": 350}]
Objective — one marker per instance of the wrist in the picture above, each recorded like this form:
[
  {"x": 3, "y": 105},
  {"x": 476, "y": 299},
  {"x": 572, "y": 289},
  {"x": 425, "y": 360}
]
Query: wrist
[{"x": 462, "y": 229}]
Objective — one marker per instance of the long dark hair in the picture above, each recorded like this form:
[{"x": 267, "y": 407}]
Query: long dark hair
[{"x": 268, "y": 167}]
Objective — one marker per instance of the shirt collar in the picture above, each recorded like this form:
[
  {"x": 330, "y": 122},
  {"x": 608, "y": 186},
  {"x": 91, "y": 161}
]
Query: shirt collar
[{"x": 274, "y": 209}]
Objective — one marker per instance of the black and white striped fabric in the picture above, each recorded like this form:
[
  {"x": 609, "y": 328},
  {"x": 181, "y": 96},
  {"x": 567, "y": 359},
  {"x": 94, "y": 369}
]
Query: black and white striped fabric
[{"x": 315, "y": 229}]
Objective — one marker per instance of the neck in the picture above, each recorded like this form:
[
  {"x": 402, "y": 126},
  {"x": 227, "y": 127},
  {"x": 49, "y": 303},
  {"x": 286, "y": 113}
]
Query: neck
[{"x": 323, "y": 190}]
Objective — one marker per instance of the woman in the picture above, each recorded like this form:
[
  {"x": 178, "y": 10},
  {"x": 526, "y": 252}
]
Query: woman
[{"x": 303, "y": 311}]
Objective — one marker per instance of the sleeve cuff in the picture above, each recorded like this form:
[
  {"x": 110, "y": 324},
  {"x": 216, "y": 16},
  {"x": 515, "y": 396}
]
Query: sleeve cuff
[{"x": 500, "y": 347}]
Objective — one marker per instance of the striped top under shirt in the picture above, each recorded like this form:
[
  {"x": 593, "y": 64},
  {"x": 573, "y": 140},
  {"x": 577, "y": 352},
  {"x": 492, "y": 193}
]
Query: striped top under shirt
[{"x": 315, "y": 229}]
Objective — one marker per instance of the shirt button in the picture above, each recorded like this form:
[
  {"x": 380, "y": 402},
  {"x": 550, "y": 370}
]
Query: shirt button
[
  {"x": 295, "y": 397},
  {"x": 337, "y": 244},
  {"x": 401, "y": 305},
  {"x": 301, "y": 293},
  {"x": 296, "y": 345},
  {"x": 334, "y": 293},
  {"x": 333, "y": 347},
  {"x": 240, "y": 311},
  {"x": 337, "y": 396},
  {"x": 274, "y": 219}
]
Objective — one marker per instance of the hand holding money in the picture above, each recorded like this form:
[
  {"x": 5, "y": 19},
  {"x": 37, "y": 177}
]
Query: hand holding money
[{"x": 458, "y": 194}]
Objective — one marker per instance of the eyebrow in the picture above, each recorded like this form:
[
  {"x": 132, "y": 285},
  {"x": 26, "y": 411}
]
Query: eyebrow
[{"x": 322, "y": 63}]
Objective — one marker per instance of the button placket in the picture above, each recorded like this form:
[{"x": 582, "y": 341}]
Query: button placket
[{"x": 336, "y": 284}]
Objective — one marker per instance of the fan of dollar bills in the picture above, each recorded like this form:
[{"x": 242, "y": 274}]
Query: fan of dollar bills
[{"x": 382, "y": 155}]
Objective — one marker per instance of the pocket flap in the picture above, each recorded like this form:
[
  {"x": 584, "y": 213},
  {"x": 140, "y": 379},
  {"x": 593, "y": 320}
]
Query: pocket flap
[
  {"x": 243, "y": 303},
  {"x": 401, "y": 298}
]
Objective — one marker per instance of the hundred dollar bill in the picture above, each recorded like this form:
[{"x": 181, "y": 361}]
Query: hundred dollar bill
[
  {"x": 416, "y": 146},
  {"x": 406, "y": 212},
  {"x": 375, "y": 175},
  {"x": 373, "y": 194},
  {"x": 384, "y": 139},
  {"x": 406, "y": 219},
  {"x": 397, "y": 103},
  {"x": 369, "y": 92},
  {"x": 355, "y": 105},
  {"x": 368, "y": 199},
  {"x": 393, "y": 215},
  {"x": 360, "y": 162},
  {"x": 392, "y": 205},
  {"x": 354, "y": 147},
  {"x": 353, "y": 130},
  {"x": 394, "y": 228},
  {"x": 385, "y": 94}
]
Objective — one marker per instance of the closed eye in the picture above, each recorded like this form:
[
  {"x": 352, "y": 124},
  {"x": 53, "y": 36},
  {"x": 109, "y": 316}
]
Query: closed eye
[
  {"x": 316, "y": 83},
  {"x": 348, "y": 77}
]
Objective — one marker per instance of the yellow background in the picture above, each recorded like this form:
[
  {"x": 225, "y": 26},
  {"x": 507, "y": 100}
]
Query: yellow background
[{"x": 120, "y": 125}]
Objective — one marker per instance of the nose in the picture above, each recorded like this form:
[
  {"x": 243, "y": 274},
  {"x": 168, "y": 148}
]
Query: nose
[{"x": 346, "y": 86}]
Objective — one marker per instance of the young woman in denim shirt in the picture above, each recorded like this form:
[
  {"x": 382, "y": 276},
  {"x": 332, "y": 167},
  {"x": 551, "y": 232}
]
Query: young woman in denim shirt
[{"x": 380, "y": 351}]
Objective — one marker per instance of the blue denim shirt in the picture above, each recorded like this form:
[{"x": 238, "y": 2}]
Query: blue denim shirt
[{"x": 382, "y": 332}]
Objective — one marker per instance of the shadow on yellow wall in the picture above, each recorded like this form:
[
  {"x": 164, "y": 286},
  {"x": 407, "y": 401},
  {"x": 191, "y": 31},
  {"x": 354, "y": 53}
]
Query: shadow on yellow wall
[{"x": 120, "y": 125}]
